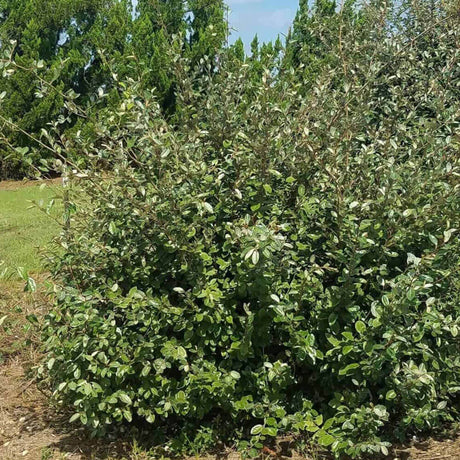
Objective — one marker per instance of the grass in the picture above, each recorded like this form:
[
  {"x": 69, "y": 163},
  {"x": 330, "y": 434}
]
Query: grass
[{"x": 25, "y": 230}]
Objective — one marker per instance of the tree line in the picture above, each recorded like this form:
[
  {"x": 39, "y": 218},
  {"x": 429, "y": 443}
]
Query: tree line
[{"x": 83, "y": 47}]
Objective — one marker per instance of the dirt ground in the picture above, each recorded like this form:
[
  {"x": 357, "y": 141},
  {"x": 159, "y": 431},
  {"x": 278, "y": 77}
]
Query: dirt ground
[
  {"x": 14, "y": 184},
  {"x": 31, "y": 429}
]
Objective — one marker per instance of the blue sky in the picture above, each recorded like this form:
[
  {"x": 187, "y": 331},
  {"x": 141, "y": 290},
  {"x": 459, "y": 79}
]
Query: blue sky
[{"x": 266, "y": 18}]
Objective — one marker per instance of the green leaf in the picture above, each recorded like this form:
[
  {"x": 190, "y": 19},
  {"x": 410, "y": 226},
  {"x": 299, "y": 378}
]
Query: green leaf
[
  {"x": 181, "y": 353},
  {"x": 30, "y": 286},
  {"x": 125, "y": 398},
  {"x": 354, "y": 204},
  {"x": 360, "y": 327},
  {"x": 249, "y": 254},
  {"x": 22, "y": 272},
  {"x": 333, "y": 341},
  {"x": 348, "y": 369},
  {"x": 390, "y": 395},
  {"x": 433, "y": 239},
  {"x": 208, "y": 207},
  {"x": 448, "y": 234},
  {"x": 146, "y": 370},
  {"x": 410, "y": 294},
  {"x": 113, "y": 228},
  {"x": 347, "y": 349},
  {"x": 74, "y": 417},
  {"x": 408, "y": 212},
  {"x": 332, "y": 319},
  {"x": 442, "y": 405},
  {"x": 380, "y": 411},
  {"x": 270, "y": 431},
  {"x": 256, "y": 429},
  {"x": 326, "y": 440}
]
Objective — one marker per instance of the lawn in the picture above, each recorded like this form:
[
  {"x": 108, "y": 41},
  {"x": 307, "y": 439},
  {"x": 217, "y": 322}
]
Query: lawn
[{"x": 25, "y": 230}]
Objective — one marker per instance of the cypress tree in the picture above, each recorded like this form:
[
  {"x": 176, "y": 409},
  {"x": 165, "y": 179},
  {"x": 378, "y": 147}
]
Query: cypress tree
[{"x": 81, "y": 44}]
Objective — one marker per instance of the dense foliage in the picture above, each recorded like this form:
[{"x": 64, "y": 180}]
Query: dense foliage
[
  {"x": 82, "y": 46},
  {"x": 280, "y": 260}
]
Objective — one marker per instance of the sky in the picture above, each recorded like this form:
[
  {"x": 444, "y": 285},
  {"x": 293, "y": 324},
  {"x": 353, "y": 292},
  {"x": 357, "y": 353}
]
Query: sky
[{"x": 266, "y": 18}]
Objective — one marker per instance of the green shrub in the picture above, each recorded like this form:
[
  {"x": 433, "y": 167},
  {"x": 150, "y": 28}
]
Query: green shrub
[{"x": 288, "y": 264}]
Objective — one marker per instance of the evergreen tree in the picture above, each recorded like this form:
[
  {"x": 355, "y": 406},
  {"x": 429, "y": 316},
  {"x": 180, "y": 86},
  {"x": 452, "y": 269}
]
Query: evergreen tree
[
  {"x": 82, "y": 44},
  {"x": 237, "y": 50},
  {"x": 63, "y": 37},
  {"x": 306, "y": 47},
  {"x": 156, "y": 23},
  {"x": 208, "y": 29},
  {"x": 314, "y": 32}
]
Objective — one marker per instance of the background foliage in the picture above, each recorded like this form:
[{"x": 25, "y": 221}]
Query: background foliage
[{"x": 82, "y": 46}]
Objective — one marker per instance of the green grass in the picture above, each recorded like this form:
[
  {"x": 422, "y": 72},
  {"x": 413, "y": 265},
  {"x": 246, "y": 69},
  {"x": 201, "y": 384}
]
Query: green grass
[{"x": 25, "y": 232}]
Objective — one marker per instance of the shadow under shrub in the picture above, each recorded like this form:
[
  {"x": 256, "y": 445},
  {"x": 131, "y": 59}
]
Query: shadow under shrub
[{"x": 274, "y": 263}]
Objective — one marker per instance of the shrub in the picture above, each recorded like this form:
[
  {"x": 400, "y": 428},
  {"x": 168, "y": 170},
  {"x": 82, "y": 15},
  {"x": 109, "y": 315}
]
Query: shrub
[{"x": 284, "y": 264}]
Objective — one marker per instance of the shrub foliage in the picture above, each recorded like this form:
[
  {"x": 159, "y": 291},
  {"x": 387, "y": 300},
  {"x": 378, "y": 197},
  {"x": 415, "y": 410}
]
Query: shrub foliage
[{"x": 279, "y": 261}]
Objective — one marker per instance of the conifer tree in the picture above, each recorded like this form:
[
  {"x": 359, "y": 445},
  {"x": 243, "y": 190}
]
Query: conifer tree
[
  {"x": 306, "y": 47},
  {"x": 82, "y": 44},
  {"x": 208, "y": 29}
]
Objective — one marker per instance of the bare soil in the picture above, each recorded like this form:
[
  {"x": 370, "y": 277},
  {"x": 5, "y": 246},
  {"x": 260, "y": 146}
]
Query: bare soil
[
  {"x": 31, "y": 429},
  {"x": 15, "y": 184}
]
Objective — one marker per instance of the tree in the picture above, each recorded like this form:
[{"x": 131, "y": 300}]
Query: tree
[
  {"x": 315, "y": 31},
  {"x": 208, "y": 28},
  {"x": 55, "y": 50},
  {"x": 82, "y": 46}
]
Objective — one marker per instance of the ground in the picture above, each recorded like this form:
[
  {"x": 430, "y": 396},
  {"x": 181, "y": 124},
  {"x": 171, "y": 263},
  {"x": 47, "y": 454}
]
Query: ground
[
  {"x": 24, "y": 228},
  {"x": 30, "y": 428}
]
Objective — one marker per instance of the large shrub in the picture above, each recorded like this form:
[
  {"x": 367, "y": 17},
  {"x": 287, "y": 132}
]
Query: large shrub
[{"x": 281, "y": 264}]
